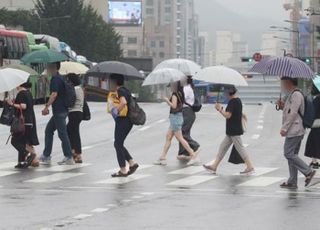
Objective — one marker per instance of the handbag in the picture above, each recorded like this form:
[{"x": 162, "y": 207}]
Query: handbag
[
  {"x": 235, "y": 157},
  {"x": 197, "y": 106},
  {"x": 316, "y": 124},
  {"x": 7, "y": 114},
  {"x": 18, "y": 124},
  {"x": 86, "y": 114}
]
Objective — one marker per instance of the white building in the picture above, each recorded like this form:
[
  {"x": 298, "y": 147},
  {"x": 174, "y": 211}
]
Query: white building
[{"x": 273, "y": 44}]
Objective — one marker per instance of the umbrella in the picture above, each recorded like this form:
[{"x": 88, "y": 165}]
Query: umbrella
[
  {"x": 284, "y": 66},
  {"x": 163, "y": 76},
  {"x": 24, "y": 68},
  {"x": 186, "y": 66},
  {"x": 72, "y": 67},
  {"x": 221, "y": 75},
  {"x": 44, "y": 56},
  {"x": 115, "y": 67},
  {"x": 316, "y": 82},
  {"x": 11, "y": 78}
]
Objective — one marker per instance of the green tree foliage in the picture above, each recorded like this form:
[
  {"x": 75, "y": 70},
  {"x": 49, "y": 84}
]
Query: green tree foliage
[{"x": 85, "y": 31}]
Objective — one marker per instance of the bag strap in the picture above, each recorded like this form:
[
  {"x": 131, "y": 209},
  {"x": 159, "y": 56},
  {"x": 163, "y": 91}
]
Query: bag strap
[{"x": 299, "y": 112}]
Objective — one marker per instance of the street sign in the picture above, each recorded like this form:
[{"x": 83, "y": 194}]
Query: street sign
[{"x": 257, "y": 57}]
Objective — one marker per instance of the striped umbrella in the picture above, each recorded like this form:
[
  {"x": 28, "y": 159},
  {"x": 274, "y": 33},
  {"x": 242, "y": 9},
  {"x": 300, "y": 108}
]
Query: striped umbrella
[{"x": 285, "y": 67}]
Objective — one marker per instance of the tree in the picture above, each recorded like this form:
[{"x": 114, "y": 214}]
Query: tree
[{"x": 85, "y": 31}]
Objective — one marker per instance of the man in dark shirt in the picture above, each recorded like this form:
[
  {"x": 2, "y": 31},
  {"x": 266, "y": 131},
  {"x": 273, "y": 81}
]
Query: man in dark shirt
[
  {"x": 234, "y": 130},
  {"x": 58, "y": 119}
]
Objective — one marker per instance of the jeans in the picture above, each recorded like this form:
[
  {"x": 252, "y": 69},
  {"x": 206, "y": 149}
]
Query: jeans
[
  {"x": 291, "y": 151},
  {"x": 122, "y": 129},
  {"x": 189, "y": 118},
  {"x": 73, "y": 128},
  {"x": 57, "y": 122}
]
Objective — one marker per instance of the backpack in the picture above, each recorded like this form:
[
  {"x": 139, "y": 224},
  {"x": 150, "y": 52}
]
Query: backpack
[
  {"x": 309, "y": 115},
  {"x": 7, "y": 114},
  {"x": 136, "y": 115},
  {"x": 197, "y": 106},
  {"x": 70, "y": 94}
]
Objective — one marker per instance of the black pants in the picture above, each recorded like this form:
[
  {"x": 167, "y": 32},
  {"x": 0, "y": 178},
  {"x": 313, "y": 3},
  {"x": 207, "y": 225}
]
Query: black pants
[
  {"x": 189, "y": 118},
  {"x": 73, "y": 129},
  {"x": 122, "y": 129},
  {"x": 19, "y": 142}
]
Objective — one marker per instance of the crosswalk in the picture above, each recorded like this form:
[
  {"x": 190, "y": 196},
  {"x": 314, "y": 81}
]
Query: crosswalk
[{"x": 178, "y": 178}]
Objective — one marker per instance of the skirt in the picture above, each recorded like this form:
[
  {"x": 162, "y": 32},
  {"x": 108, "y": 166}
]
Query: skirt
[
  {"x": 176, "y": 122},
  {"x": 31, "y": 135},
  {"x": 313, "y": 144}
]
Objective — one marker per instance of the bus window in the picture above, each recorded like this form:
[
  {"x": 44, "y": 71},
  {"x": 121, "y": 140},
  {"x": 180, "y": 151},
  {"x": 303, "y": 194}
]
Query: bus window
[
  {"x": 10, "y": 47},
  {"x": 16, "y": 49},
  {"x": 25, "y": 46}
]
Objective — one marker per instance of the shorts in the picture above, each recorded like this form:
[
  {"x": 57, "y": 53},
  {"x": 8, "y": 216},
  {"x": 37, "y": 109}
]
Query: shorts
[{"x": 176, "y": 122}]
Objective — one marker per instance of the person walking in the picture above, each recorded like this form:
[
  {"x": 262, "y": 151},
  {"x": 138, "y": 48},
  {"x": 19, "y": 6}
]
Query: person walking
[
  {"x": 189, "y": 117},
  {"x": 58, "y": 119},
  {"x": 75, "y": 117},
  {"x": 293, "y": 131},
  {"x": 234, "y": 130},
  {"x": 24, "y": 142},
  {"x": 312, "y": 149},
  {"x": 176, "y": 121},
  {"x": 118, "y": 102}
]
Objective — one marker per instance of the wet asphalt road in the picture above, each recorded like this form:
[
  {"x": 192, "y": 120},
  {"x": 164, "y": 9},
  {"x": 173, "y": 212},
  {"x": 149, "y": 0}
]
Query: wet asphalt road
[{"x": 171, "y": 197}]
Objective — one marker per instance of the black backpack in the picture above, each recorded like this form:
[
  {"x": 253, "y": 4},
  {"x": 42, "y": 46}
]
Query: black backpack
[
  {"x": 136, "y": 114},
  {"x": 309, "y": 115},
  {"x": 70, "y": 94},
  {"x": 7, "y": 114}
]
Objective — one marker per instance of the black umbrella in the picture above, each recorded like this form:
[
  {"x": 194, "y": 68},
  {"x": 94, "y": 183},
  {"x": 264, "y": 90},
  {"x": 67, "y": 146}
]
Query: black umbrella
[{"x": 115, "y": 67}]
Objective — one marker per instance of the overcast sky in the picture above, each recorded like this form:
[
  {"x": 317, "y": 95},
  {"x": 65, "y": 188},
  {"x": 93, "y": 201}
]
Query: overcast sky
[{"x": 251, "y": 18}]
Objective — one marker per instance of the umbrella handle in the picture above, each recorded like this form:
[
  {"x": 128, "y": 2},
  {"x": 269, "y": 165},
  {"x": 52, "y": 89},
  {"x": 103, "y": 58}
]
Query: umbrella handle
[{"x": 277, "y": 105}]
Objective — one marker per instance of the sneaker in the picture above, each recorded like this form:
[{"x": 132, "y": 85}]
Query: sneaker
[
  {"x": 45, "y": 160},
  {"x": 66, "y": 161},
  {"x": 160, "y": 162}
]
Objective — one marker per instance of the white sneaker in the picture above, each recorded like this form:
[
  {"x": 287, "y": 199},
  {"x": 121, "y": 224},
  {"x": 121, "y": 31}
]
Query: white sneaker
[
  {"x": 66, "y": 161},
  {"x": 160, "y": 162},
  {"x": 45, "y": 160}
]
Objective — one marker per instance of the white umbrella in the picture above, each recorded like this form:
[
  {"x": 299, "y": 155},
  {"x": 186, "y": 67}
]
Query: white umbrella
[
  {"x": 163, "y": 76},
  {"x": 186, "y": 66},
  {"x": 72, "y": 67},
  {"x": 221, "y": 75},
  {"x": 11, "y": 78}
]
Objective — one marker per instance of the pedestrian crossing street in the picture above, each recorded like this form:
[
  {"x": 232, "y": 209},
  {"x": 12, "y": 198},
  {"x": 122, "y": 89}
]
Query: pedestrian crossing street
[{"x": 186, "y": 177}]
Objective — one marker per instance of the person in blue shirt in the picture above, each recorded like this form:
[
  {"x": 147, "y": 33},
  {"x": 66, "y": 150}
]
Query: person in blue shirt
[{"x": 58, "y": 119}]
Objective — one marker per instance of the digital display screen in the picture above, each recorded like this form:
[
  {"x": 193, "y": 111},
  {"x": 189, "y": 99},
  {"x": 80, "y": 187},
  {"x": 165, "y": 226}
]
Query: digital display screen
[{"x": 125, "y": 12}]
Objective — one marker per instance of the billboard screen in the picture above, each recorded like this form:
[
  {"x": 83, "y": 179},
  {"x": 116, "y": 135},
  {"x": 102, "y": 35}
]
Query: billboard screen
[{"x": 125, "y": 12}]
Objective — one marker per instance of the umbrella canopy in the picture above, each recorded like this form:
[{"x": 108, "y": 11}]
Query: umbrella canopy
[
  {"x": 44, "y": 56},
  {"x": 185, "y": 66},
  {"x": 115, "y": 67},
  {"x": 72, "y": 67},
  {"x": 316, "y": 82},
  {"x": 163, "y": 76},
  {"x": 23, "y": 68},
  {"x": 284, "y": 66},
  {"x": 11, "y": 78},
  {"x": 221, "y": 75}
]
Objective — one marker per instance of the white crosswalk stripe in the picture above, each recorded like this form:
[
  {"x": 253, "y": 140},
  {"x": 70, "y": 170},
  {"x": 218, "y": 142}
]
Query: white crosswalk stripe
[
  {"x": 7, "y": 173},
  {"x": 188, "y": 171},
  {"x": 141, "y": 167},
  {"x": 62, "y": 168},
  {"x": 54, "y": 177},
  {"x": 123, "y": 180},
  {"x": 7, "y": 165},
  {"x": 259, "y": 171},
  {"x": 191, "y": 181},
  {"x": 262, "y": 181}
]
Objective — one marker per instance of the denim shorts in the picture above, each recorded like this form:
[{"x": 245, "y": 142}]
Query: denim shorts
[{"x": 176, "y": 122}]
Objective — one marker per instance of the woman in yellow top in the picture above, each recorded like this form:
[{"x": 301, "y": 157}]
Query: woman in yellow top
[{"x": 119, "y": 100}]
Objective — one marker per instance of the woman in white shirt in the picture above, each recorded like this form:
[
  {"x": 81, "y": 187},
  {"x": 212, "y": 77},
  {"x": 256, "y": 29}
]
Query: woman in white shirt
[
  {"x": 75, "y": 117},
  {"x": 189, "y": 118}
]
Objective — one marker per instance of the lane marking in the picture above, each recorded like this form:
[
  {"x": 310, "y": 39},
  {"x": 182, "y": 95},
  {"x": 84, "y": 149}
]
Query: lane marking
[
  {"x": 123, "y": 180},
  {"x": 147, "y": 193},
  {"x": 54, "y": 177},
  {"x": 141, "y": 167},
  {"x": 260, "y": 127},
  {"x": 100, "y": 210},
  {"x": 126, "y": 201},
  {"x": 145, "y": 128},
  {"x": 112, "y": 205},
  {"x": 191, "y": 181},
  {"x": 259, "y": 171},
  {"x": 7, "y": 165},
  {"x": 82, "y": 216},
  {"x": 262, "y": 181},
  {"x": 261, "y": 121},
  {"x": 7, "y": 173},
  {"x": 246, "y": 145},
  {"x": 161, "y": 121},
  {"x": 63, "y": 168},
  {"x": 188, "y": 170},
  {"x": 136, "y": 197},
  {"x": 255, "y": 136}
]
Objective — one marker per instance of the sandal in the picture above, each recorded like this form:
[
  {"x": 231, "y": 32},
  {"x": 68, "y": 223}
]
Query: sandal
[
  {"x": 247, "y": 172},
  {"x": 119, "y": 174},
  {"x": 29, "y": 159},
  {"x": 133, "y": 169},
  {"x": 288, "y": 186}
]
